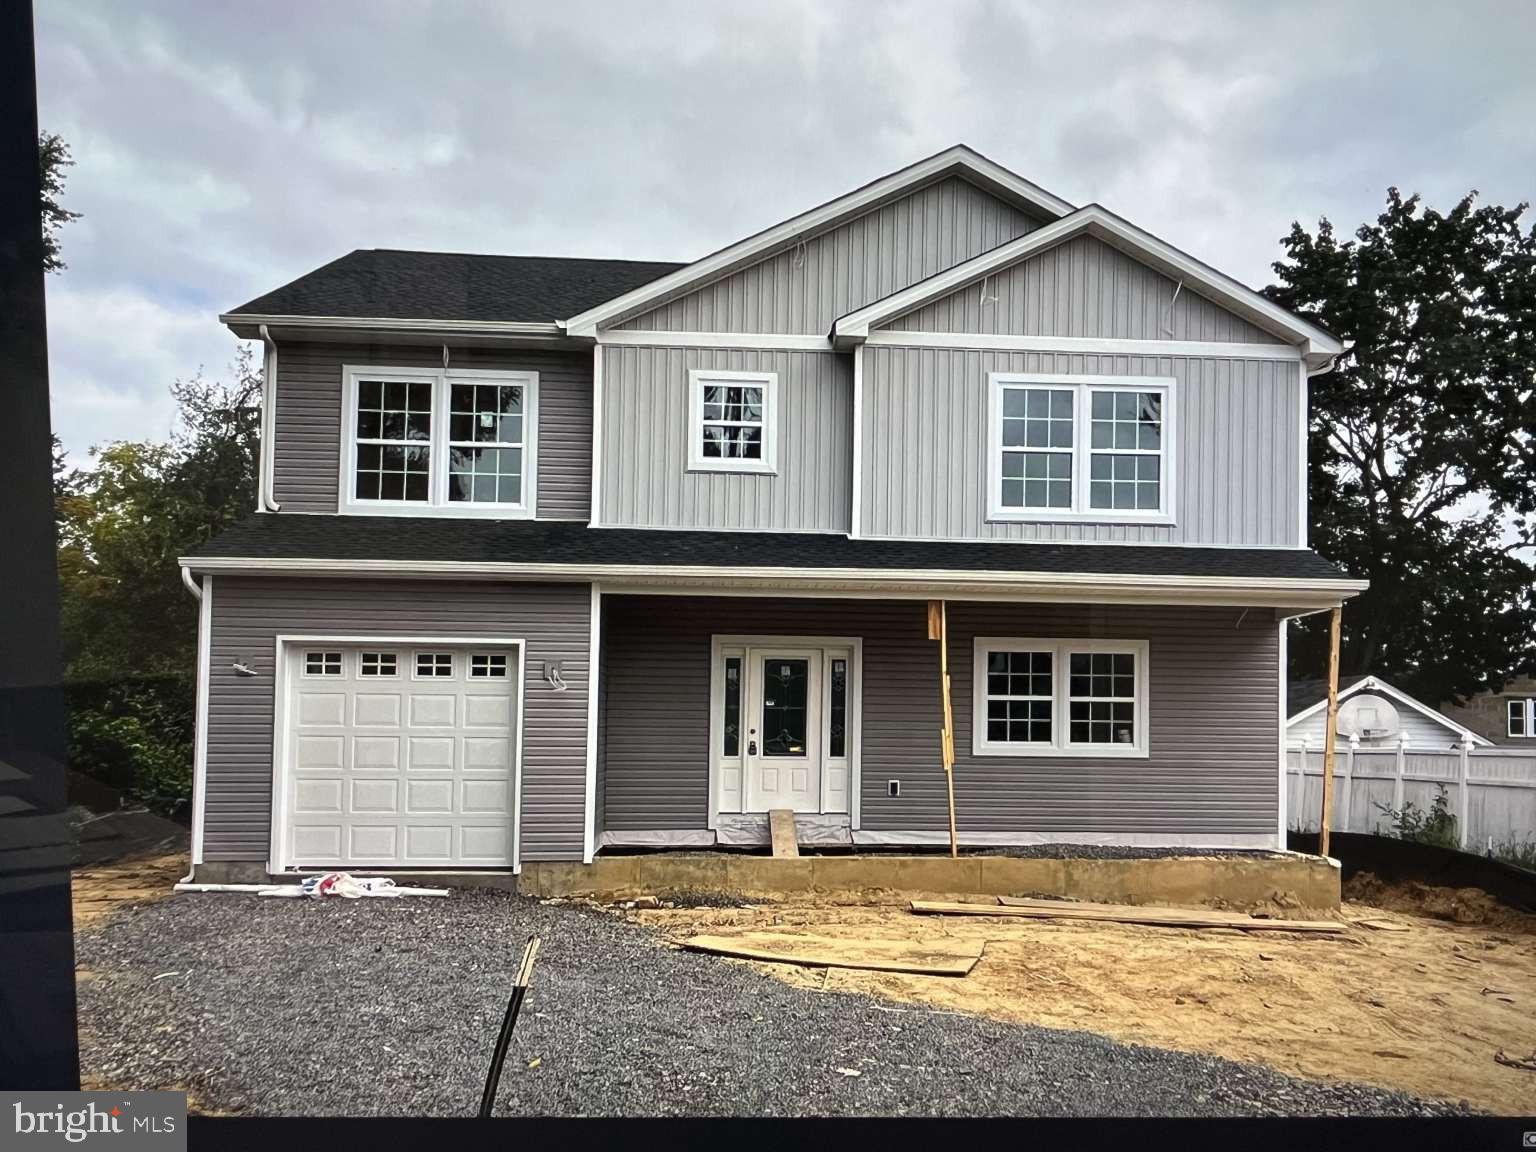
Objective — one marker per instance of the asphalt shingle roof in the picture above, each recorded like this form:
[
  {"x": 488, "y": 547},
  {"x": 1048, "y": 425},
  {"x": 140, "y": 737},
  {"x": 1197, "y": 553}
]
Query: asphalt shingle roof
[
  {"x": 400, "y": 285},
  {"x": 290, "y": 536}
]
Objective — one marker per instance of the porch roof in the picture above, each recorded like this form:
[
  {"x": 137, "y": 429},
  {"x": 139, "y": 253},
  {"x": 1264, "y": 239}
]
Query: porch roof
[{"x": 541, "y": 549}]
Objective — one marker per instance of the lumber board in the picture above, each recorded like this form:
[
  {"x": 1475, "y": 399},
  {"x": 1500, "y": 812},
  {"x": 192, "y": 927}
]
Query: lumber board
[
  {"x": 781, "y": 827},
  {"x": 1084, "y": 906},
  {"x": 1122, "y": 914},
  {"x": 827, "y": 952}
]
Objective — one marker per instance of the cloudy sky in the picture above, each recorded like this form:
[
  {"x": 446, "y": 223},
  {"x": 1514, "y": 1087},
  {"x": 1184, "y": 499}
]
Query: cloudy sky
[{"x": 223, "y": 150}]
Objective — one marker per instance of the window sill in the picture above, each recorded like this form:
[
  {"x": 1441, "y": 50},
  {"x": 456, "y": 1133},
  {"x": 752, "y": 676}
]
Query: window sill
[
  {"x": 733, "y": 468},
  {"x": 448, "y": 512},
  {"x": 1077, "y": 752},
  {"x": 1043, "y": 516}
]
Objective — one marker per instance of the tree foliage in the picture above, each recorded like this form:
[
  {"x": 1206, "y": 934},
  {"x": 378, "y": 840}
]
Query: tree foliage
[
  {"x": 53, "y": 157},
  {"x": 1421, "y": 440}
]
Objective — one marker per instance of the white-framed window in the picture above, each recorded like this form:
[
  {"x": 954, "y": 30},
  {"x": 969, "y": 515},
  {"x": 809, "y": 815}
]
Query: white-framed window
[
  {"x": 488, "y": 666},
  {"x": 433, "y": 665},
  {"x": 1094, "y": 448},
  {"x": 1054, "y": 697},
  {"x": 322, "y": 664},
  {"x": 732, "y": 421},
  {"x": 375, "y": 664},
  {"x": 435, "y": 442},
  {"x": 1521, "y": 715}
]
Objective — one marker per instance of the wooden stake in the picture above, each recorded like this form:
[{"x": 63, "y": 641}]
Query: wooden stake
[
  {"x": 938, "y": 629},
  {"x": 1330, "y": 734}
]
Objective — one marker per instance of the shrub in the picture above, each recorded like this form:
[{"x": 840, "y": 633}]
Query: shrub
[
  {"x": 135, "y": 733},
  {"x": 1437, "y": 826},
  {"x": 1519, "y": 852}
]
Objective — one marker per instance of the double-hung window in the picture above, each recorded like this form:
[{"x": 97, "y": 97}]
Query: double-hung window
[
  {"x": 732, "y": 421},
  {"x": 1092, "y": 448},
  {"x": 1059, "y": 697},
  {"x": 1521, "y": 716},
  {"x": 459, "y": 442}
]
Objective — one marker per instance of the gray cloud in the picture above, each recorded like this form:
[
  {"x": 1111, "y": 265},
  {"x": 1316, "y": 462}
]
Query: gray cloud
[{"x": 225, "y": 150}]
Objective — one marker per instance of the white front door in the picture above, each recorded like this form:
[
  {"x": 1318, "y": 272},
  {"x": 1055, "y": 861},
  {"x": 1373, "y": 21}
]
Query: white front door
[{"x": 783, "y": 719}]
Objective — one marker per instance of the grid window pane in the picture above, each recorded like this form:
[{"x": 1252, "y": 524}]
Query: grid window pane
[
  {"x": 732, "y": 422},
  {"x": 377, "y": 664},
  {"x": 322, "y": 663},
  {"x": 393, "y": 425},
  {"x": 1101, "y": 697},
  {"x": 1037, "y": 420},
  {"x": 1126, "y": 440},
  {"x": 434, "y": 664},
  {"x": 1019, "y": 693},
  {"x": 486, "y": 429},
  {"x": 488, "y": 666}
]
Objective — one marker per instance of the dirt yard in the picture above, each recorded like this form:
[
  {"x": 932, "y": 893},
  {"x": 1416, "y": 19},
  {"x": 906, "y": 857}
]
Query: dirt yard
[
  {"x": 1423, "y": 1008},
  {"x": 100, "y": 890}
]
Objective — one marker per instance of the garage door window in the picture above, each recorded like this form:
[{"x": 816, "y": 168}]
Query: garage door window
[
  {"x": 378, "y": 664},
  {"x": 322, "y": 663},
  {"x": 430, "y": 665},
  {"x": 488, "y": 666}
]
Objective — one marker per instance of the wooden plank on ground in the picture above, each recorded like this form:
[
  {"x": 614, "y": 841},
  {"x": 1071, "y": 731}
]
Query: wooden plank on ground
[
  {"x": 1237, "y": 919},
  {"x": 829, "y": 952},
  {"x": 1122, "y": 914},
  {"x": 781, "y": 825}
]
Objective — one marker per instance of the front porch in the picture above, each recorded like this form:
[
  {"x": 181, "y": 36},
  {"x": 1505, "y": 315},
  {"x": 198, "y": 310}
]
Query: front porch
[{"x": 1130, "y": 724}]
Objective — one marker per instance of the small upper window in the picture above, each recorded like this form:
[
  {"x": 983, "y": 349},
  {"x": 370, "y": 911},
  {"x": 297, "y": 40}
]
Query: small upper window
[
  {"x": 488, "y": 666},
  {"x": 322, "y": 663},
  {"x": 430, "y": 665},
  {"x": 1079, "y": 447},
  {"x": 731, "y": 425},
  {"x": 377, "y": 664},
  {"x": 1522, "y": 718}
]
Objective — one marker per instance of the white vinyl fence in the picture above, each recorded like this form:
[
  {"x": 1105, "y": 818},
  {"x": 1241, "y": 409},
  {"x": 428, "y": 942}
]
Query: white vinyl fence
[{"x": 1491, "y": 791}]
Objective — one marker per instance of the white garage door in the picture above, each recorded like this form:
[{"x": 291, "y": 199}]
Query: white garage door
[{"x": 400, "y": 755}]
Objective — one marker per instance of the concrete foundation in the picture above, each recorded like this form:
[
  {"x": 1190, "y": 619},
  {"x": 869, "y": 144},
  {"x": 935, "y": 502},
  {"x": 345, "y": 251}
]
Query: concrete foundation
[{"x": 1311, "y": 881}]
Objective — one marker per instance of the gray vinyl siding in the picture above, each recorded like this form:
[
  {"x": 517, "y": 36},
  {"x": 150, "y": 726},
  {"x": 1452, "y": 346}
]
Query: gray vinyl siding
[
  {"x": 1082, "y": 287},
  {"x": 249, "y": 614},
  {"x": 1213, "y": 711},
  {"x": 307, "y": 445},
  {"x": 645, "y": 477},
  {"x": 925, "y": 456},
  {"x": 803, "y": 289}
]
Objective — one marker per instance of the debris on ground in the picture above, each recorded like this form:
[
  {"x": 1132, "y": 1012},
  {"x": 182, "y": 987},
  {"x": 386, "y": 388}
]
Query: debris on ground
[
  {"x": 1120, "y": 914},
  {"x": 349, "y": 887},
  {"x": 829, "y": 952},
  {"x": 1528, "y": 1063},
  {"x": 1458, "y": 905}
]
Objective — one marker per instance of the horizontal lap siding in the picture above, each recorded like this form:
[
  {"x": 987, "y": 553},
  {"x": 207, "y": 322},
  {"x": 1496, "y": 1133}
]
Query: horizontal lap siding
[
  {"x": 925, "y": 450},
  {"x": 1082, "y": 288},
  {"x": 805, "y": 287},
  {"x": 1213, "y": 738},
  {"x": 645, "y": 477},
  {"x": 249, "y": 614},
  {"x": 307, "y": 446}
]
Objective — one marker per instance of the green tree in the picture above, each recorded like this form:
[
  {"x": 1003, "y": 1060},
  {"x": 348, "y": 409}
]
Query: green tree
[
  {"x": 53, "y": 157},
  {"x": 1421, "y": 440}
]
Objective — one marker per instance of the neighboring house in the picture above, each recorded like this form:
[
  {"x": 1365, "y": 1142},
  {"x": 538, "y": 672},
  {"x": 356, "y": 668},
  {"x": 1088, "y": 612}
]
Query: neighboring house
[
  {"x": 558, "y": 556},
  {"x": 1507, "y": 716},
  {"x": 1373, "y": 714}
]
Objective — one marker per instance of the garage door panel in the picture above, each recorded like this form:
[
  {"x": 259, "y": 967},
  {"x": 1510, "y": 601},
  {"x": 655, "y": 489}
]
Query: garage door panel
[
  {"x": 403, "y": 772},
  {"x": 432, "y": 753},
  {"x": 372, "y": 797}
]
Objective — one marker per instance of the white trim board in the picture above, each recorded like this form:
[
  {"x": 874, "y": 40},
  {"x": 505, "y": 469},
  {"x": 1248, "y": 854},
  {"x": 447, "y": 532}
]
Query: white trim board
[
  {"x": 958, "y": 160},
  {"x": 1372, "y": 684},
  {"x": 594, "y": 648},
  {"x": 773, "y": 341},
  {"x": 1082, "y": 345},
  {"x": 200, "y": 740},
  {"x": 277, "y": 845},
  {"x": 1118, "y": 233}
]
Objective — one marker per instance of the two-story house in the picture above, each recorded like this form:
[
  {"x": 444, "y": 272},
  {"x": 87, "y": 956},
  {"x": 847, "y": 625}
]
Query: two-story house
[{"x": 562, "y": 556}]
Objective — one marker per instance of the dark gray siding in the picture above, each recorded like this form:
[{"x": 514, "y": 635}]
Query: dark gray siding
[
  {"x": 1213, "y": 726},
  {"x": 307, "y": 446},
  {"x": 249, "y": 614},
  {"x": 645, "y": 477},
  {"x": 1082, "y": 288},
  {"x": 1237, "y": 462},
  {"x": 804, "y": 287}
]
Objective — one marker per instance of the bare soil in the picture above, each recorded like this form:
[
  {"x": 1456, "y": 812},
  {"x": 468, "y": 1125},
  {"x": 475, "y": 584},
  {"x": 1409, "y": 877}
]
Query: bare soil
[
  {"x": 100, "y": 890},
  {"x": 1422, "y": 1005}
]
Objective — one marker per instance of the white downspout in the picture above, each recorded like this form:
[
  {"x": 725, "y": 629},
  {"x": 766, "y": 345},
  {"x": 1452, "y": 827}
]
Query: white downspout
[
  {"x": 265, "y": 502},
  {"x": 197, "y": 594}
]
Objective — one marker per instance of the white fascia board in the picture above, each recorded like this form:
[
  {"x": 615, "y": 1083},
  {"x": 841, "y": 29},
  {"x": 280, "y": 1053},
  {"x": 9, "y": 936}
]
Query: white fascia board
[
  {"x": 773, "y": 341},
  {"x": 957, "y": 159},
  {"x": 1118, "y": 233},
  {"x": 1380, "y": 687},
  {"x": 1082, "y": 345},
  {"x": 395, "y": 324},
  {"x": 897, "y": 583}
]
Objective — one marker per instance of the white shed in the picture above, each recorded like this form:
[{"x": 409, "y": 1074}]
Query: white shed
[{"x": 1373, "y": 714}]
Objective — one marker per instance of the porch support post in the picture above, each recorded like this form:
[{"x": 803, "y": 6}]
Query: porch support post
[
  {"x": 1330, "y": 735},
  {"x": 938, "y": 629}
]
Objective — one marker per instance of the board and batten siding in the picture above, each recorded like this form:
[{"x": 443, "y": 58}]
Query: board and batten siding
[
  {"x": 1082, "y": 287},
  {"x": 1213, "y": 768},
  {"x": 248, "y": 615},
  {"x": 805, "y": 287},
  {"x": 308, "y": 424},
  {"x": 925, "y": 447},
  {"x": 645, "y": 431}
]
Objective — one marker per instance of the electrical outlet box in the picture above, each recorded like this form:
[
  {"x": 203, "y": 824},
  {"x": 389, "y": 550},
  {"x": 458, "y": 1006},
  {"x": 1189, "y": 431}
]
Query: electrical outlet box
[{"x": 893, "y": 787}]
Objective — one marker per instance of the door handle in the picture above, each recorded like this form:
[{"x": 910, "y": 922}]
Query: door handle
[{"x": 751, "y": 747}]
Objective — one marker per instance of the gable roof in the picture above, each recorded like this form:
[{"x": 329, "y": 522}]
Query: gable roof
[
  {"x": 1307, "y": 697},
  {"x": 1317, "y": 344},
  {"x": 958, "y": 160},
  {"x": 389, "y": 283}
]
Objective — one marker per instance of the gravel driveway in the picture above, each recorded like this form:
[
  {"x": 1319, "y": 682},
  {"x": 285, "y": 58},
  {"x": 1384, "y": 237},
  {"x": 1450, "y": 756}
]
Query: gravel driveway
[{"x": 295, "y": 1007}]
